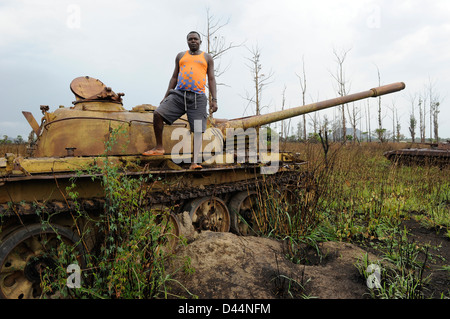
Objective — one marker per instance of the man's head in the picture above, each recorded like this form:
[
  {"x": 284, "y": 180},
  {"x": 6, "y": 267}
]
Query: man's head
[
  {"x": 193, "y": 33},
  {"x": 194, "y": 40}
]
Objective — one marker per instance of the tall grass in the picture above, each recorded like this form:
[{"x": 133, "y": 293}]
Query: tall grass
[
  {"x": 361, "y": 197},
  {"x": 17, "y": 149},
  {"x": 362, "y": 194}
]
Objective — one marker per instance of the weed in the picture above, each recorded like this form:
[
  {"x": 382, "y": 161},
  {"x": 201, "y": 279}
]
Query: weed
[
  {"x": 128, "y": 260},
  {"x": 402, "y": 273}
]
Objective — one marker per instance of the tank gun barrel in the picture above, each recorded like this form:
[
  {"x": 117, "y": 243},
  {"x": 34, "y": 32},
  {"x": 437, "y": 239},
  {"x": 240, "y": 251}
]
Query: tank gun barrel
[{"x": 254, "y": 121}]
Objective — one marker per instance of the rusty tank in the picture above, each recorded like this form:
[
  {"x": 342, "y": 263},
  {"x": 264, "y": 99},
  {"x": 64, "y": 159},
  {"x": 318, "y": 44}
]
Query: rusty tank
[
  {"x": 71, "y": 140},
  {"x": 436, "y": 154}
]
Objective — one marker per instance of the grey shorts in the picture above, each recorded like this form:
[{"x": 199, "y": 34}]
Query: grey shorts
[{"x": 180, "y": 102}]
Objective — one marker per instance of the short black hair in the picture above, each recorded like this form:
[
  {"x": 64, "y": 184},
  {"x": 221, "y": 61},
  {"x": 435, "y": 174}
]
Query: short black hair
[{"x": 199, "y": 36}]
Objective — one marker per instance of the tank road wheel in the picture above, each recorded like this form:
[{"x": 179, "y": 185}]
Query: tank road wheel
[
  {"x": 26, "y": 253},
  {"x": 169, "y": 226},
  {"x": 209, "y": 213},
  {"x": 242, "y": 207}
]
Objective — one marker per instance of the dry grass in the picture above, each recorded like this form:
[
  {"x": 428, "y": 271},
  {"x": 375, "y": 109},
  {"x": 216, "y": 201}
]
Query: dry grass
[
  {"x": 18, "y": 149},
  {"x": 362, "y": 192}
]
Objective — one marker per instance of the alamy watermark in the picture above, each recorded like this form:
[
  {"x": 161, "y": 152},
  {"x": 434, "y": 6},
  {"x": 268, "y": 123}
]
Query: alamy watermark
[
  {"x": 241, "y": 146},
  {"x": 373, "y": 20},
  {"x": 74, "y": 279},
  {"x": 374, "y": 279},
  {"x": 73, "y": 20}
]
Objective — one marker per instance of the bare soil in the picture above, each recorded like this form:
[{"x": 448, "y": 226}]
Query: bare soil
[{"x": 227, "y": 266}]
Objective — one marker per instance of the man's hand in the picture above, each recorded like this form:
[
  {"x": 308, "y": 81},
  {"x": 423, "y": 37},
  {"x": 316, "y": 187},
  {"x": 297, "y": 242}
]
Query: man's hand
[{"x": 213, "y": 107}]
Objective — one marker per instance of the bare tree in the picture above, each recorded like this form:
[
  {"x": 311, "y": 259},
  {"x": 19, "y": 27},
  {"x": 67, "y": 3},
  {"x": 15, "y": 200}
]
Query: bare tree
[
  {"x": 216, "y": 45},
  {"x": 260, "y": 80},
  {"x": 422, "y": 119},
  {"x": 303, "y": 87},
  {"x": 314, "y": 118},
  {"x": 393, "y": 123},
  {"x": 315, "y": 122},
  {"x": 369, "y": 133},
  {"x": 354, "y": 117},
  {"x": 284, "y": 128},
  {"x": 435, "y": 120},
  {"x": 412, "y": 118},
  {"x": 434, "y": 111},
  {"x": 398, "y": 127},
  {"x": 336, "y": 126},
  {"x": 381, "y": 132},
  {"x": 299, "y": 134},
  {"x": 342, "y": 89},
  {"x": 325, "y": 124},
  {"x": 426, "y": 109}
]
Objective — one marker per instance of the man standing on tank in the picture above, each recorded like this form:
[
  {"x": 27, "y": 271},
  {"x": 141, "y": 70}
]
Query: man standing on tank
[{"x": 186, "y": 94}]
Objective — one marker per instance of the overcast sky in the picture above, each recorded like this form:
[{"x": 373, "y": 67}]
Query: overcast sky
[{"x": 131, "y": 47}]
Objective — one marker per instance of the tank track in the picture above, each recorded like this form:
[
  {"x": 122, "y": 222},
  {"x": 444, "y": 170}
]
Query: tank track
[{"x": 174, "y": 197}]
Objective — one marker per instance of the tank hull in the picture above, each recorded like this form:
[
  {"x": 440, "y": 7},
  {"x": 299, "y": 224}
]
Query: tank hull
[
  {"x": 419, "y": 156},
  {"x": 43, "y": 188}
]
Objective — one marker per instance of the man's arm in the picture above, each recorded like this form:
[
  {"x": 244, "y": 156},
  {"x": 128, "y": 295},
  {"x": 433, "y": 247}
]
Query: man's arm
[{"x": 212, "y": 84}]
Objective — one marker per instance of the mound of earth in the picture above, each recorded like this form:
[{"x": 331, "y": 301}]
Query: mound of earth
[{"x": 227, "y": 266}]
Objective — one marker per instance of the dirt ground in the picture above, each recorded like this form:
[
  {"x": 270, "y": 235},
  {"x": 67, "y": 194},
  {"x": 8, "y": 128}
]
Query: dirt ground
[{"x": 227, "y": 266}]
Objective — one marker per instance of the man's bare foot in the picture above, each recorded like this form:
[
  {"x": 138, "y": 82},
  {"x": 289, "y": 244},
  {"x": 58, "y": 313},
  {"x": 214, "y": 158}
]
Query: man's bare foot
[
  {"x": 154, "y": 151},
  {"x": 195, "y": 166}
]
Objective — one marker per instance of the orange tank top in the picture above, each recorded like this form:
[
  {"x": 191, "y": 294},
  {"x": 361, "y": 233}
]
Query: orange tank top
[{"x": 192, "y": 75}]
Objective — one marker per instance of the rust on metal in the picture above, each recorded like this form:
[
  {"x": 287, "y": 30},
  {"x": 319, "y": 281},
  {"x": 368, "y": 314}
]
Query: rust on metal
[
  {"x": 70, "y": 151},
  {"x": 436, "y": 154},
  {"x": 84, "y": 87},
  {"x": 32, "y": 121},
  {"x": 87, "y": 88}
]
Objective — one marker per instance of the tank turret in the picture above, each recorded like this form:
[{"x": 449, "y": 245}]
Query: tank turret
[{"x": 83, "y": 129}]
